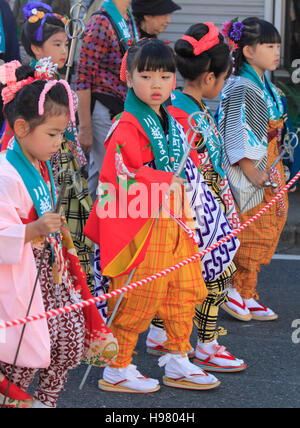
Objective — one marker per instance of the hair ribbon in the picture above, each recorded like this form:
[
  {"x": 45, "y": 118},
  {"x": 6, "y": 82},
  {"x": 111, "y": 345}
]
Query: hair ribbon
[
  {"x": 8, "y": 78},
  {"x": 207, "y": 42},
  {"x": 48, "y": 88}
]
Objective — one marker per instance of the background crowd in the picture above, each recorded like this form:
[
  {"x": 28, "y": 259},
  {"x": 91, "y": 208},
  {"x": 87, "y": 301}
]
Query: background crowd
[{"x": 95, "y": 74}]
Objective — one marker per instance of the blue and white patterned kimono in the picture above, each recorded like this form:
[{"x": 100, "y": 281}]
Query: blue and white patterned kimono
[{"x": 247, "y": 105}]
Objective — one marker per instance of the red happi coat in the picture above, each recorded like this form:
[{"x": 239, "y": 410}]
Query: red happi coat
[{"x": 123, "y": 239}]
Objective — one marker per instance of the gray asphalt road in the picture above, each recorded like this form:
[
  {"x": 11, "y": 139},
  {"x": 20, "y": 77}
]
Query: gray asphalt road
[{"x": 272, "y": 379}]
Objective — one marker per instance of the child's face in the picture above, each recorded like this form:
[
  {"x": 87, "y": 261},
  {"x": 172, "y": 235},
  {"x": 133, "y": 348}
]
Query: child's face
[
  {"x": 152, "y": 87},
  {"x": 264, "y": 56},
  {"x": 56, "y": 47},
  {"x": 214, "y": 86},
  {"x": 45, "y": 140}
]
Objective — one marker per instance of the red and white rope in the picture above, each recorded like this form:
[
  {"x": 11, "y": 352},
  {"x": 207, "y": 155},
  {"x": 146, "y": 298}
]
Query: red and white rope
[
  {"x": 275, "y": 175},
  {"x": 86, "y": 303}
]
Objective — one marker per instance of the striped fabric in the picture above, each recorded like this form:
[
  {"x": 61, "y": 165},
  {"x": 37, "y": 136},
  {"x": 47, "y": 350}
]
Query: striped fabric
[{"x": 243, "y": 122}]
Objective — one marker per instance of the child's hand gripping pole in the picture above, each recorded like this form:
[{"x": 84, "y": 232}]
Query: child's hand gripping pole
[
  {"x": 290, "y": 143},
  {"x": 197, "y": 130}
]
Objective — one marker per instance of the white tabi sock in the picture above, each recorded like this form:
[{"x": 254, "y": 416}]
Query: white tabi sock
[
  {"x": 177, "y": 366},
  {"x": 129, "y": 377},
  {"x": 156, "y": 337},
  {"x": 252, "y": 303},
  {"x": 235, "y": 295},
  {"x": 204, "y": 350}
]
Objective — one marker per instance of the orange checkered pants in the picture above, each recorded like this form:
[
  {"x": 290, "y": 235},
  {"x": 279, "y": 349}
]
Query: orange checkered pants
[
  {"x": 172, "y": 298},
  {"x": 260, "y": 240}
]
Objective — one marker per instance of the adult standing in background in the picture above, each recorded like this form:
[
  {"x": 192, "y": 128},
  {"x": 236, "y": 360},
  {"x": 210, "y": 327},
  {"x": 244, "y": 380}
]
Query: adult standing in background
[
  {"x": 9, "y": 48},
  {"x": 109, "y": 33},
  {"x": 153, "y": 17}
]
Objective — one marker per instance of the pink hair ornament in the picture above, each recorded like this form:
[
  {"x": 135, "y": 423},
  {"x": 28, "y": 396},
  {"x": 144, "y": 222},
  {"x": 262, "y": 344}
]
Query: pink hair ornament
[
  {"x": 8, "y": 78},
  {"x": 8, "y": 72},
  {"x": 48, "y": 88},
  {"x": 10, "y": 91}
]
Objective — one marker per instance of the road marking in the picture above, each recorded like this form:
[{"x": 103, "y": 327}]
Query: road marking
[{"x": 286, "y": 257}]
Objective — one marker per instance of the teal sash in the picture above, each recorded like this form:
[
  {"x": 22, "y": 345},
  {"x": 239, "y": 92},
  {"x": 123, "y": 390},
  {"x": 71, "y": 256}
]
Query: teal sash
[
  {"x": 214, "y": 143},
  {"x": 2, "y": 36},
  {"x": 168, "y": 154},
  {"x": 120, "y": 22},
  {"x": 34, "y": 182}
]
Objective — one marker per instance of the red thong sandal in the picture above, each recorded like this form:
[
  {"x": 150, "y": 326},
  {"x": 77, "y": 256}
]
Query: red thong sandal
[
  {"x": 261, "y": 308},
  {"x": 16, "y": 397},
  {"x": 183, "y": 383},
  {"x": 117, "y": 387},
  {"x": 127, "y": 380},
  {"x": 181, "y": 373},
  {"x": 159, "y": 350},
  {"x": 234, "y": 313},
  {"x": 210, "y": 366}
]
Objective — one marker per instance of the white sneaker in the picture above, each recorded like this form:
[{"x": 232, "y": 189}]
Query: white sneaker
[
  {"x": 236, "y": 306},
  {"x": 214, "y": 358},
  {"x": 260, "y": 312},
  {"x": 181, "y": 373},
  {"x": 128, "y": 380}
]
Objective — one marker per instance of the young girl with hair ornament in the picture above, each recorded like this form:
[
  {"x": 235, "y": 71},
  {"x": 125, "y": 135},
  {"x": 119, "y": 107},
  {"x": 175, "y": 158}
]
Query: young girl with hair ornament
[
  {"x": 203, "y": 59},
  {"x": 45, "y": 40},
  {"x": 35, "y": 239},
  {"x": 252, "y": 123}
]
